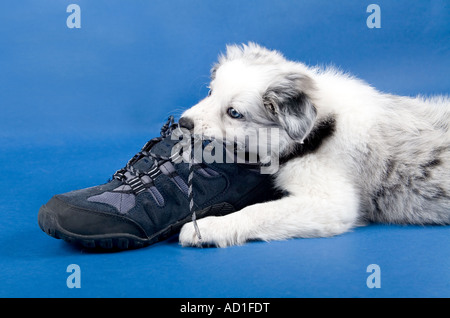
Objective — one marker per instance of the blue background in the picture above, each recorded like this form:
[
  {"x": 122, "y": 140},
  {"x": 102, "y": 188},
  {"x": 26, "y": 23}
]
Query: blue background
[{"x": 76, "y": 104}]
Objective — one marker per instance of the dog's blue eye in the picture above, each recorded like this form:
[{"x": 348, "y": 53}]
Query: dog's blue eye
[{"x": 233, "y": 113}]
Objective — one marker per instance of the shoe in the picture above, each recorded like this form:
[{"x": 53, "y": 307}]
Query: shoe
[{"x": 153, "y": 197}]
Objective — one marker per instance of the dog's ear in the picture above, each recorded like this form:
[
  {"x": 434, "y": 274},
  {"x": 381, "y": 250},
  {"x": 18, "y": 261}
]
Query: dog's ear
[{"x": 288, "y": 105}]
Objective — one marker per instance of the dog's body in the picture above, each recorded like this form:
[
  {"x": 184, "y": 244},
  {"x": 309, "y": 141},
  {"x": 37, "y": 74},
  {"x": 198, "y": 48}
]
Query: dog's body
[{"x": 349, "y": 154}]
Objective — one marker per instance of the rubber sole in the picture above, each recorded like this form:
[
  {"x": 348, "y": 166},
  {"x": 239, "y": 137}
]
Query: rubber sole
[{"x": 48, "y": 223}]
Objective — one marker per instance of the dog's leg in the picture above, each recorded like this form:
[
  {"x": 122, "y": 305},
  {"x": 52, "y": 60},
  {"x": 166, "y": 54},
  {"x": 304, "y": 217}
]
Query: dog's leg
[{"x": 325, "y": 209}]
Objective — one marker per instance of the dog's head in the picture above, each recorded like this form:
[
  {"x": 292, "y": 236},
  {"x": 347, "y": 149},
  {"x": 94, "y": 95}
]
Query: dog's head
[{"x": 251, "y": 88}]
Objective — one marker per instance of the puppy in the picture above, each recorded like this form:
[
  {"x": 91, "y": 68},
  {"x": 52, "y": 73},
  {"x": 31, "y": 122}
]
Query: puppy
[{"x": 348, "y": 154}]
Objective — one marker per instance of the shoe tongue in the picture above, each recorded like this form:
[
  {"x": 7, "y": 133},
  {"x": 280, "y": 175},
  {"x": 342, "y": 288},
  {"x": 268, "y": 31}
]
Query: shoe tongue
[
  {"x": 161, "y": 149},
  {"x": 164, "y": 147}
]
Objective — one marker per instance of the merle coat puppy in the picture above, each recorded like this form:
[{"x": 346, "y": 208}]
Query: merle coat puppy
[{"x": 348, "y": 153}]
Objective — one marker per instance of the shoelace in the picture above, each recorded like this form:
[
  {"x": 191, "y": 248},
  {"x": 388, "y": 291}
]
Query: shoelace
[{"x": 191, "y": 192}]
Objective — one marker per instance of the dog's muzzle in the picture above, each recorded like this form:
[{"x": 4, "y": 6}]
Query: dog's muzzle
[{"x": 187, "y": 123}]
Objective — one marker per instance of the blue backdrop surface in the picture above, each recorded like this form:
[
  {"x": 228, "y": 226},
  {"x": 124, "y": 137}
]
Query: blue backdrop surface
[{"x": 76, "y": 104}]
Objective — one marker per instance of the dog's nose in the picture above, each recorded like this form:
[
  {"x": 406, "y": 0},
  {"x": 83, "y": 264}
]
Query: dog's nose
[{"x": 186, "y": 122}]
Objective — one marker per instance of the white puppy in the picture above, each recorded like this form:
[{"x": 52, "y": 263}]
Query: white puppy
[{"x": 348, "y": 153}]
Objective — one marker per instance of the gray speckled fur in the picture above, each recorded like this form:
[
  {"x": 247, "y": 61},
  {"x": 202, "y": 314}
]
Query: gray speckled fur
[{"x": 405, "y": 172}]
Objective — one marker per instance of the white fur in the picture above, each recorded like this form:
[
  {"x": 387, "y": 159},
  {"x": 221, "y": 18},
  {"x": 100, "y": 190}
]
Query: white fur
[{"x": 377, "y": 166}]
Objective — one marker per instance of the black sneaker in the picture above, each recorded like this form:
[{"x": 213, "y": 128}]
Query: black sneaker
[{"x": 149, "y": 200}]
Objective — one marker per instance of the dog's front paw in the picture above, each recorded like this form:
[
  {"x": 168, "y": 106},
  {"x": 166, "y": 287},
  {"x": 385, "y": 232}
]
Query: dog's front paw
[{"x": 213, "y": 231}]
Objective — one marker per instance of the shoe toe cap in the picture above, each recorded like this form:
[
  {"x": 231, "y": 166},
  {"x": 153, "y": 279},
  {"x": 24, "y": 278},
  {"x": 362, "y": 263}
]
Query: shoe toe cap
[{"x": 81, "y": 221}]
